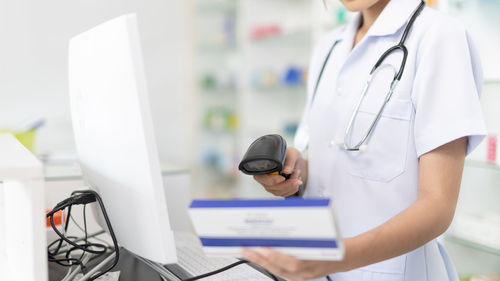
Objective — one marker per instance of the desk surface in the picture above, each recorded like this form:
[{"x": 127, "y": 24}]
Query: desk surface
[{"x": 131, "y": 269}]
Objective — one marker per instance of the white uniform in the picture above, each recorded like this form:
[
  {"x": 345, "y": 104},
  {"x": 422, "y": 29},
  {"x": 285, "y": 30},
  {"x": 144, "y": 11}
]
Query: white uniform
[{"x": 436, "y": 101}]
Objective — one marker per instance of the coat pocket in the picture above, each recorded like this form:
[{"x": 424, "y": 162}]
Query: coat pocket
[{"x": 386, "y": 148}]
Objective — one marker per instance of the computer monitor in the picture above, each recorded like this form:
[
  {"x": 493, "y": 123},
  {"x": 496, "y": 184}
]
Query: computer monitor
[{"x": 114, "y": 136}]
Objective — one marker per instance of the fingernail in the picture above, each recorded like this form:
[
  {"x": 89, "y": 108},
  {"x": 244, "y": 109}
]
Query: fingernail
[
  {"x": 287, "y": 170},
  {"x": 298, "y": 183}
]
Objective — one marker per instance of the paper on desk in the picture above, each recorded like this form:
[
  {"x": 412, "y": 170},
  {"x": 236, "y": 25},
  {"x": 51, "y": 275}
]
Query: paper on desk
[{"x": 304, "y": 228}]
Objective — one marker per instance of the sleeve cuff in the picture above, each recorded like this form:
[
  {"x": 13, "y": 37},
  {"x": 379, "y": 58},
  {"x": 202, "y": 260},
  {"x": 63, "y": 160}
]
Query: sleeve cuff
[{"x": 427, "y": 143}]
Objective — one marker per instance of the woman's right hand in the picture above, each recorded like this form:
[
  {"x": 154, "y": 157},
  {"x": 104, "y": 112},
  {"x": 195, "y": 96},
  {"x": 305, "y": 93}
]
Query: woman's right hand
[{"x": 295, "y": 165}]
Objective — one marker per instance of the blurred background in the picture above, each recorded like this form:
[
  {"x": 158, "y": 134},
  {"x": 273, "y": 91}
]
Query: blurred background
[{"x": 220, "y": 74}]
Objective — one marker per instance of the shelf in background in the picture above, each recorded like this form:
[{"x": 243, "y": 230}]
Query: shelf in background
[
  {"x": 213, "y": 49},
  {"x": 471, "y": 244},
  {"x": 219, "y": 92},
  {"x": 280, "y": 89},
  {"x": 491, "y": 81},
  {"x": 481, "y": 164},
  {"x": 301, "y": 38},
  {"x": 480, "y": 230}
]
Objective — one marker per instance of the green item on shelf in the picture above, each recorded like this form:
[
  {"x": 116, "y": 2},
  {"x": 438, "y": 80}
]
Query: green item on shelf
[
  {"x": 233, "y": 121},
  {"x": 220, "y": 119},
  {"x": 26, "y": 138},
  {"x": 465, "y": 277},
  {"x": 209, "y": 82}
]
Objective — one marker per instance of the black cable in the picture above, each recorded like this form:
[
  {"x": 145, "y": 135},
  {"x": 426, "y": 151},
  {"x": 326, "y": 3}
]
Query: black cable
[
  {"x": 72, "y": 260},
  {"x": 328, "y": 278},
  {"x": 271, "y": 275},
  {"x": 81, "y": 198},
  {"x": 52, "y": 256},
  {"x": 216, "y": 271},
  {"x": 65, "y": 229},
  {"x": 222, "y": 269},
  {"x": 69, "y": 241},
  {"x": 67, "y": 261},
  {"x": 85, "y": 246},
  {"x": 85, "y": 223},
  {"x": 110, "y": 228},
  {"x": 76, "y": 239},
  {"x": 55, "y": 252},
  {"x": 85, "y": 231}
]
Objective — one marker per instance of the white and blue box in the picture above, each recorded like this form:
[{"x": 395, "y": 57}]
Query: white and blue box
[{"x": 304, "y": 228}]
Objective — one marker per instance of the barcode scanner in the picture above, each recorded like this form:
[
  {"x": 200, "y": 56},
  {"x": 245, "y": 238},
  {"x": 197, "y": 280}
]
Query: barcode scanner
[{"x": 266, "y": 156}]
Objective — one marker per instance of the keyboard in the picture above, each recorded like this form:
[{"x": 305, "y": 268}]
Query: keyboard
[{"x": 193, "y": 262}]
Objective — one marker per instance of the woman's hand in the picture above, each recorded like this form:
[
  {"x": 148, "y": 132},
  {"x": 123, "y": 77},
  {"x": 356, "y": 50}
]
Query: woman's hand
[
  {"x": 294, "y": 165},
  {"x": 290, "y": 267}
]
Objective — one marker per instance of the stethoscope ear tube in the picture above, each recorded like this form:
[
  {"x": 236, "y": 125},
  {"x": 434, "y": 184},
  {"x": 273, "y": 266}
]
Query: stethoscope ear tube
[
  {"x": 397, "y": 77},
  {"x": 392, "y": 49}
]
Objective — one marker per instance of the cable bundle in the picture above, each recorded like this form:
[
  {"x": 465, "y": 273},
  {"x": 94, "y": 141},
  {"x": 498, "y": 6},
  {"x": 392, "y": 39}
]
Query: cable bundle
[{"x": 97, "y": 249}]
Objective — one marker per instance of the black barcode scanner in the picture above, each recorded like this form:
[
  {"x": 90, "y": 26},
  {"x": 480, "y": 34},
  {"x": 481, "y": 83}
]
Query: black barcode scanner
[{"x": 266, "y": 155}]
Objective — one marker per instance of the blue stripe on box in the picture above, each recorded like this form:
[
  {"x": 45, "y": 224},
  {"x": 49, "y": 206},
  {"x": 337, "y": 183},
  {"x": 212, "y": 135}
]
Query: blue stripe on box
[
  {"x": 258, "y": 242},
  {"x": 242, "y": 203}
]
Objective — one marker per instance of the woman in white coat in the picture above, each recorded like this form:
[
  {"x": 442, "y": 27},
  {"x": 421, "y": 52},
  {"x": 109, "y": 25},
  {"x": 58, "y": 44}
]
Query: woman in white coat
[{"x": 398, "y": 190}]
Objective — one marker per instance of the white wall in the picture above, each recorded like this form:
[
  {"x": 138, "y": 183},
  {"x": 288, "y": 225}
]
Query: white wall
[{"x": 33, "y": 66}]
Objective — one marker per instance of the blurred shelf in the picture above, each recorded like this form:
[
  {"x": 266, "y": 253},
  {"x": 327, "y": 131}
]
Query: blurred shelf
[
  {"x": 215, "y": 6},
  {"x": 478, "y": 229},
  {"x": 212, "y": 49},
  {"x": 482, "y": 165},
  {"x": 213, "y": 132},
  {"x": 280, "y": 89},
  {"x": 226, "y": 92},
  {"x": 207, "y": 12},
  {"x": 471, "y": 244},
  {"x": 491, "y": 81},
  {"x": 301, "y": 38}
]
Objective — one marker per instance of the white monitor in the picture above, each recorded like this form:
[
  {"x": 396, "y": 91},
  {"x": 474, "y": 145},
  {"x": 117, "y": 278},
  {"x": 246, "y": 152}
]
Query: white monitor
[{"x": 114, "y": 136}]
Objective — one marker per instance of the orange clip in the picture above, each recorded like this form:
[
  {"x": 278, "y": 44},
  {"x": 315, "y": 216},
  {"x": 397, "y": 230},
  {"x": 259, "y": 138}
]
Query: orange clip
[{"x": 57, "y": 218}]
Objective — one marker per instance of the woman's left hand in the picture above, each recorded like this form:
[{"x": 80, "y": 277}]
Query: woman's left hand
[{"x": 290, "y": 267}]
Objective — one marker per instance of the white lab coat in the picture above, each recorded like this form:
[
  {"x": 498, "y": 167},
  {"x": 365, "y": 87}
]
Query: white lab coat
[{"x": 437, "y": 101}]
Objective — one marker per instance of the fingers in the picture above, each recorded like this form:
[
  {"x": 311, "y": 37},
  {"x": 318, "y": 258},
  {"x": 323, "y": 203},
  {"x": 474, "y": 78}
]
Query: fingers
[
  {"x": 296, "y": 174},
  {"x": 290, "y": 267},
  {"x": 262, "y": 261},
  {"x": 285, "y": 262},
  {"x": 278, "y": 185},
  {"x": 284, "y": 188},
  {"x": 292, "y": 155},
  {"x": 269, "y": 180},
  {"x": 277, "y": 263}
]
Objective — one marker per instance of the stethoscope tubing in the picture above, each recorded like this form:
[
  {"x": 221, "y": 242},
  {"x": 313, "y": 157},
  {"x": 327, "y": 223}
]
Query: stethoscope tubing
[{"x": 397, "y": 77}]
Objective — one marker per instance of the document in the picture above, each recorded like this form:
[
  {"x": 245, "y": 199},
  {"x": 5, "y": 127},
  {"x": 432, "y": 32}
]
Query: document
[{"x": 304, "y": 228}]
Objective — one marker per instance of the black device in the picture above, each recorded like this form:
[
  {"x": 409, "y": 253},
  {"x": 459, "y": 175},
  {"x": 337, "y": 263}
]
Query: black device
[{"x": 266, "y": 155}]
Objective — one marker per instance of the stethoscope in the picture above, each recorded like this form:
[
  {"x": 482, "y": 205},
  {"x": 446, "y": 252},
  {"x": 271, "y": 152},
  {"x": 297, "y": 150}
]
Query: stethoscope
[{"x": 360, "y": 146}]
